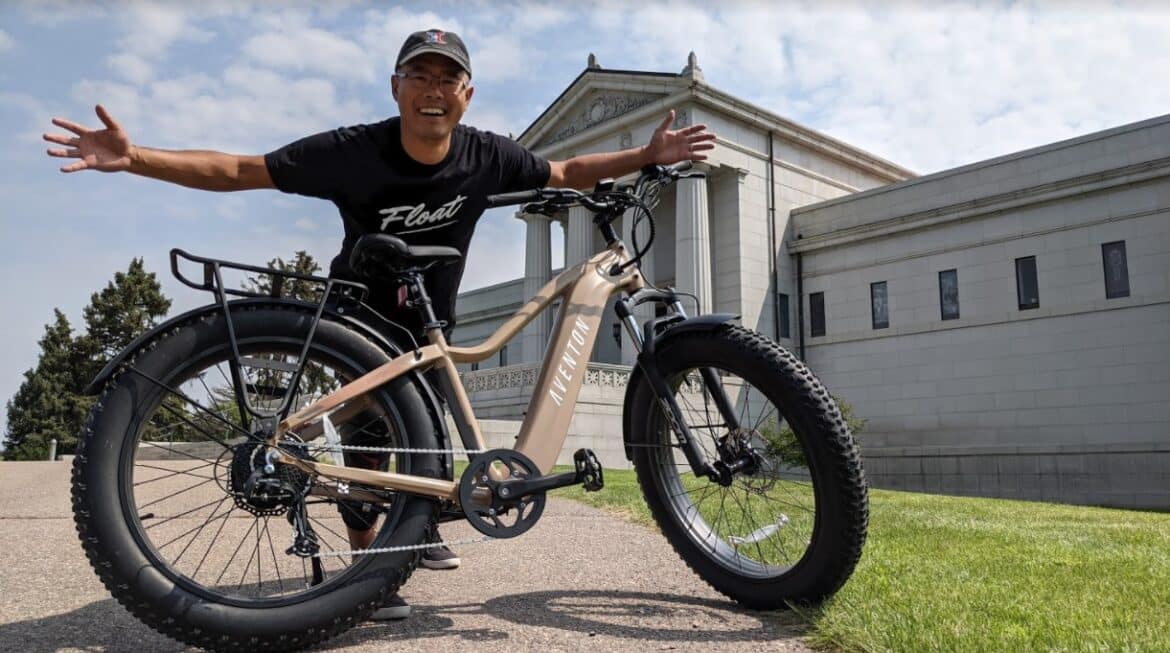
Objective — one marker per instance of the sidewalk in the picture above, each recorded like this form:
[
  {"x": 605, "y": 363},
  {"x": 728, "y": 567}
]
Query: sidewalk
[{"x": 580, "y": 579}]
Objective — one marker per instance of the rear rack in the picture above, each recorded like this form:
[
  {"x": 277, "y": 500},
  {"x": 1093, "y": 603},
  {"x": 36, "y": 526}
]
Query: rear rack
[
  {"x": 347, "y": 294},
  {"x": 213, "y": 279}
]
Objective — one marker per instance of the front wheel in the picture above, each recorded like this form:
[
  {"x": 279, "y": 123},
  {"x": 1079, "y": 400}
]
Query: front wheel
[{"x": 791, "y": 525}]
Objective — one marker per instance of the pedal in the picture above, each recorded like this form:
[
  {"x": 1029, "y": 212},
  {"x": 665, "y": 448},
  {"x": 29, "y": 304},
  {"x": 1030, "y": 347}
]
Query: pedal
[{"x": 589, "y": 470}]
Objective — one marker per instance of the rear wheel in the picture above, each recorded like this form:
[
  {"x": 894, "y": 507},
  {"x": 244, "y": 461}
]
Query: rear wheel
[
  {"x": 791, "y": 526},
  {"x": 163, "y": 505}
]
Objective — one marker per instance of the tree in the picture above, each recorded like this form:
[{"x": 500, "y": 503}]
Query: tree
[
  {"x": 302, "y": 263},
  {"x": 783, "y": 444},
  {"x": 126, "y": 308},
  {"x": 48, "y": 404},
  {"x": 315, "y": 382}
]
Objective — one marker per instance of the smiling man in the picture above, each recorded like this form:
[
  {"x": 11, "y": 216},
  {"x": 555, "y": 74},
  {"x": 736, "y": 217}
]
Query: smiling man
[{"x": 421, "y": 176}]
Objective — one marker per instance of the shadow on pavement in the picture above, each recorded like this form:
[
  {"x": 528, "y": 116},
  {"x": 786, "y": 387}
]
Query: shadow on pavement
[
  {"x": 632, "y": 615},
  {"x": 107, "y": 626}
]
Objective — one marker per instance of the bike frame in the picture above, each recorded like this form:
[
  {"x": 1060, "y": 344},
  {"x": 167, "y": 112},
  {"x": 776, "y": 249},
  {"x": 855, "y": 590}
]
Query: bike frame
[{"x": 584, "y": 291}]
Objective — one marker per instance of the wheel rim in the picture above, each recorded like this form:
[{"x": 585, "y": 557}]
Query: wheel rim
[
  {"x": 177, "y": 486},
  {"x": 765, "y": 522}
]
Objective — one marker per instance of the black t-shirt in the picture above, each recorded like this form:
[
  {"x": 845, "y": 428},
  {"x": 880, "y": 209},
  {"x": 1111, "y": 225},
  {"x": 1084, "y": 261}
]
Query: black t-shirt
[{"x": 378, "y": 188}]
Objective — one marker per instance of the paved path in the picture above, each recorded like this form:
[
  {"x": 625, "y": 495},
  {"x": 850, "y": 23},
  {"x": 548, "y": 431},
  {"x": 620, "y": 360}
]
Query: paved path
[{"x": 580, "y": 579}]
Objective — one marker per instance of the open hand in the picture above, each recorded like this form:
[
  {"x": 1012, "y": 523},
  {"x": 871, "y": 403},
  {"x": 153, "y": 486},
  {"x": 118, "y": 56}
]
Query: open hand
[
  {"x": 107, "y": 150},
  {"x": 667, "y": 147}
]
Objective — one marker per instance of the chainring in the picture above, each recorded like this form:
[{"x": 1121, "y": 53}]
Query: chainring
[{"x": 502, "y": 518}]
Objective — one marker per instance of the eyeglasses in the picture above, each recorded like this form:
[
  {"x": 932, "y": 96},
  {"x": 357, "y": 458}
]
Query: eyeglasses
[{"x": 421, "y": 81}]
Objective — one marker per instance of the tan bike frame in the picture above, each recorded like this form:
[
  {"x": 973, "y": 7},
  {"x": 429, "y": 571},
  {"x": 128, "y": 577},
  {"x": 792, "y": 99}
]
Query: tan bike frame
[{"x": 584, "y": 291}]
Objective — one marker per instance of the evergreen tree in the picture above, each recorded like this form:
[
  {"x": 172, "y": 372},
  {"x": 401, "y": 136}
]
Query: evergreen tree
[
  {"x": 301, "y": 263},
  {"x": 315, "y": 382},
  {"x": 126, "y": 308},
  {"x": 47, "y": 405}
]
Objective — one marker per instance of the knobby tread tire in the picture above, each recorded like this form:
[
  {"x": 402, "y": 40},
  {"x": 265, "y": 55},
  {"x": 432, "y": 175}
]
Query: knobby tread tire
[
  {"x": 165, "y": 606},
  {"x": 843, "y": 506}
]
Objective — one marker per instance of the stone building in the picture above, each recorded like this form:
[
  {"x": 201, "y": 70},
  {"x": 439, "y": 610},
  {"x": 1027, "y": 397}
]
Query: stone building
[{"x": 897, "y": 289}]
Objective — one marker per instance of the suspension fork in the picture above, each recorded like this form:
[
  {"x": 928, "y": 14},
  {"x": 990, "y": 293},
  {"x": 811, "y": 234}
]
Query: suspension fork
[{"x": 644, "y": 341}]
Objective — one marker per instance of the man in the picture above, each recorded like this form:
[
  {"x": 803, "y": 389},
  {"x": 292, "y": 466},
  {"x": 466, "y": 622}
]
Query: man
[{"x": 420, "y": 176}]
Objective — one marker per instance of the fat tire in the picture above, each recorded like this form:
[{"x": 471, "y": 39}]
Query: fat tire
[
  {"x": 840, "y": 486},
  {"x": 170, "y": 608}
]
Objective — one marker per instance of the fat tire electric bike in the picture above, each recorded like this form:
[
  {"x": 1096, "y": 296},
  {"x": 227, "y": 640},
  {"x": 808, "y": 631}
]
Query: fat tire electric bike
[{"x": 221, "y": 451}]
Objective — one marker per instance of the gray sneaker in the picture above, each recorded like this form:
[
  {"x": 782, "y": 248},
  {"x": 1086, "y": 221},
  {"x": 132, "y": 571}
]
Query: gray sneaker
[
  {"x": 440, "y": 557},
  {"x": 393, "y": 609}
]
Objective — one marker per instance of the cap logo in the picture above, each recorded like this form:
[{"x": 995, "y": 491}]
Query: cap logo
[{"x": 435, "y": 37}]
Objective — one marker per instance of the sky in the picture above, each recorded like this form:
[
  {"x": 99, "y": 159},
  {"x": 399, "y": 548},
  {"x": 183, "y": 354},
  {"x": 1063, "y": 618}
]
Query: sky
[{"x": 929, "y": 86}]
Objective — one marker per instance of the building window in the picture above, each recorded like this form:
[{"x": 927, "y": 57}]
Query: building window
[
  {"x": 475, "y": 366},
  {"x": 816, "y": 313},
  {"x": 783, "y": 310},
  {"x": 948, "y": 294},
  {"x": 504, "y": 356},
  {"x": 1116, "y": 269},
  {"x": 1027, "y": 288},
  {"x": 879, "y": 305}
]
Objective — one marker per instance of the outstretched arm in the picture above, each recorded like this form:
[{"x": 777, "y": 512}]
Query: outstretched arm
[
  {"x": 110, "y": 150},
  {"x": 665, "y": 147}
]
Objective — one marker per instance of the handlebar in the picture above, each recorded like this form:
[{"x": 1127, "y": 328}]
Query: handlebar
[
  {"x": 507, "y": 199},
  {"x": 568, "y": 196}
]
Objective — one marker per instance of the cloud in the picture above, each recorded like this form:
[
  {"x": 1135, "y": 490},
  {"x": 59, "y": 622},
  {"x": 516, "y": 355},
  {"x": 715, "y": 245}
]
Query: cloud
[
  {"x": 332, "y": 55},
  {"x": 151, "y": 29},
  {"x": 6, "y": 41},
  {"x": 131, "y": 67},
  {"x": 927, "y": 86}
]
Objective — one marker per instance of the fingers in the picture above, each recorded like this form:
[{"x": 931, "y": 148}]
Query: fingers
[
  {"x": 107, "y": 119},
  {"x": 74, "y": 167},
  {"x": 702, "y": 147},
  {"x": 71, "y": 126},
  {"x": 72, "y": 153},
  {"x": 693, "y": 129},
  {"x": 61, "y": 139},
  {"x": 666, "y": 122}
]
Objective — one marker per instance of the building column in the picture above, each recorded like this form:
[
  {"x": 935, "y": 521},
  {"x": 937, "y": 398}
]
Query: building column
[
  {"x": 692, "y": 241},
  {"x": 537, "y": 272},
  {"x": 578, "y": 236},
  {"x": 644, "y": 311}
]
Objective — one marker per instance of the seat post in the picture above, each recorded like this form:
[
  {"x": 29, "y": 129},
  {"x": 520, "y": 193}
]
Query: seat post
[{"x": 421, "y": 300}]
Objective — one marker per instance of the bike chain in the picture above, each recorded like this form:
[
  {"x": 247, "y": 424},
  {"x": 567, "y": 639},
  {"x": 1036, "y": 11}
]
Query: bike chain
[{"x": 405, "y": 547}]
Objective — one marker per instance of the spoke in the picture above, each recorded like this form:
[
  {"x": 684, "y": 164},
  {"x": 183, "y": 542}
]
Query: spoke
[
  {"x": 234, "y": 553},
  {"x": 175, "y": 494},
  {"x": 188, "y": 400},
  {"x": 223, "y": 517},
  {"x": 764, "y": 418},
  {"x": 174, "y": 472},
  {"x": 185, "y": 512},
  {"x": 209, "y": 519},
  {"x": 335, "y": 534},
  {"x": 251, "y": 557},
  {"x": 275, "y": 564},
  {"x": 180, "y": 452},
  {"x": 215, "y": 537}
]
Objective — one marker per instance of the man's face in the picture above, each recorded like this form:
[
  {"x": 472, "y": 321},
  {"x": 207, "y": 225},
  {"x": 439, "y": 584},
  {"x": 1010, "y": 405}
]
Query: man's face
[{"x": 429, "y": 111}]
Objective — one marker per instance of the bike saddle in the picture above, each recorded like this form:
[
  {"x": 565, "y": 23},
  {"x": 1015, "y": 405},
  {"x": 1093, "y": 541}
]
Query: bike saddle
[{"x": 378, "y": 254}]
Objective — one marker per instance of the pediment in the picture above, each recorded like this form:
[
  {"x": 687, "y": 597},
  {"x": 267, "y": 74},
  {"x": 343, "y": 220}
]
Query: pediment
[{"x": 592, "y": 108}]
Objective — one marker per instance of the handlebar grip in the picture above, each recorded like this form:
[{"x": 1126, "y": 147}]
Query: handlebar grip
[{"x": 519, "y": 197}]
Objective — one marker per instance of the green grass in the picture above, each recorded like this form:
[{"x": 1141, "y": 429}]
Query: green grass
[{"x": 963, "y": 574}]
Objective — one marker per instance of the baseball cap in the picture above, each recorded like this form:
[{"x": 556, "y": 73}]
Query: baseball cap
[{"x": 435, "y": 41}]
